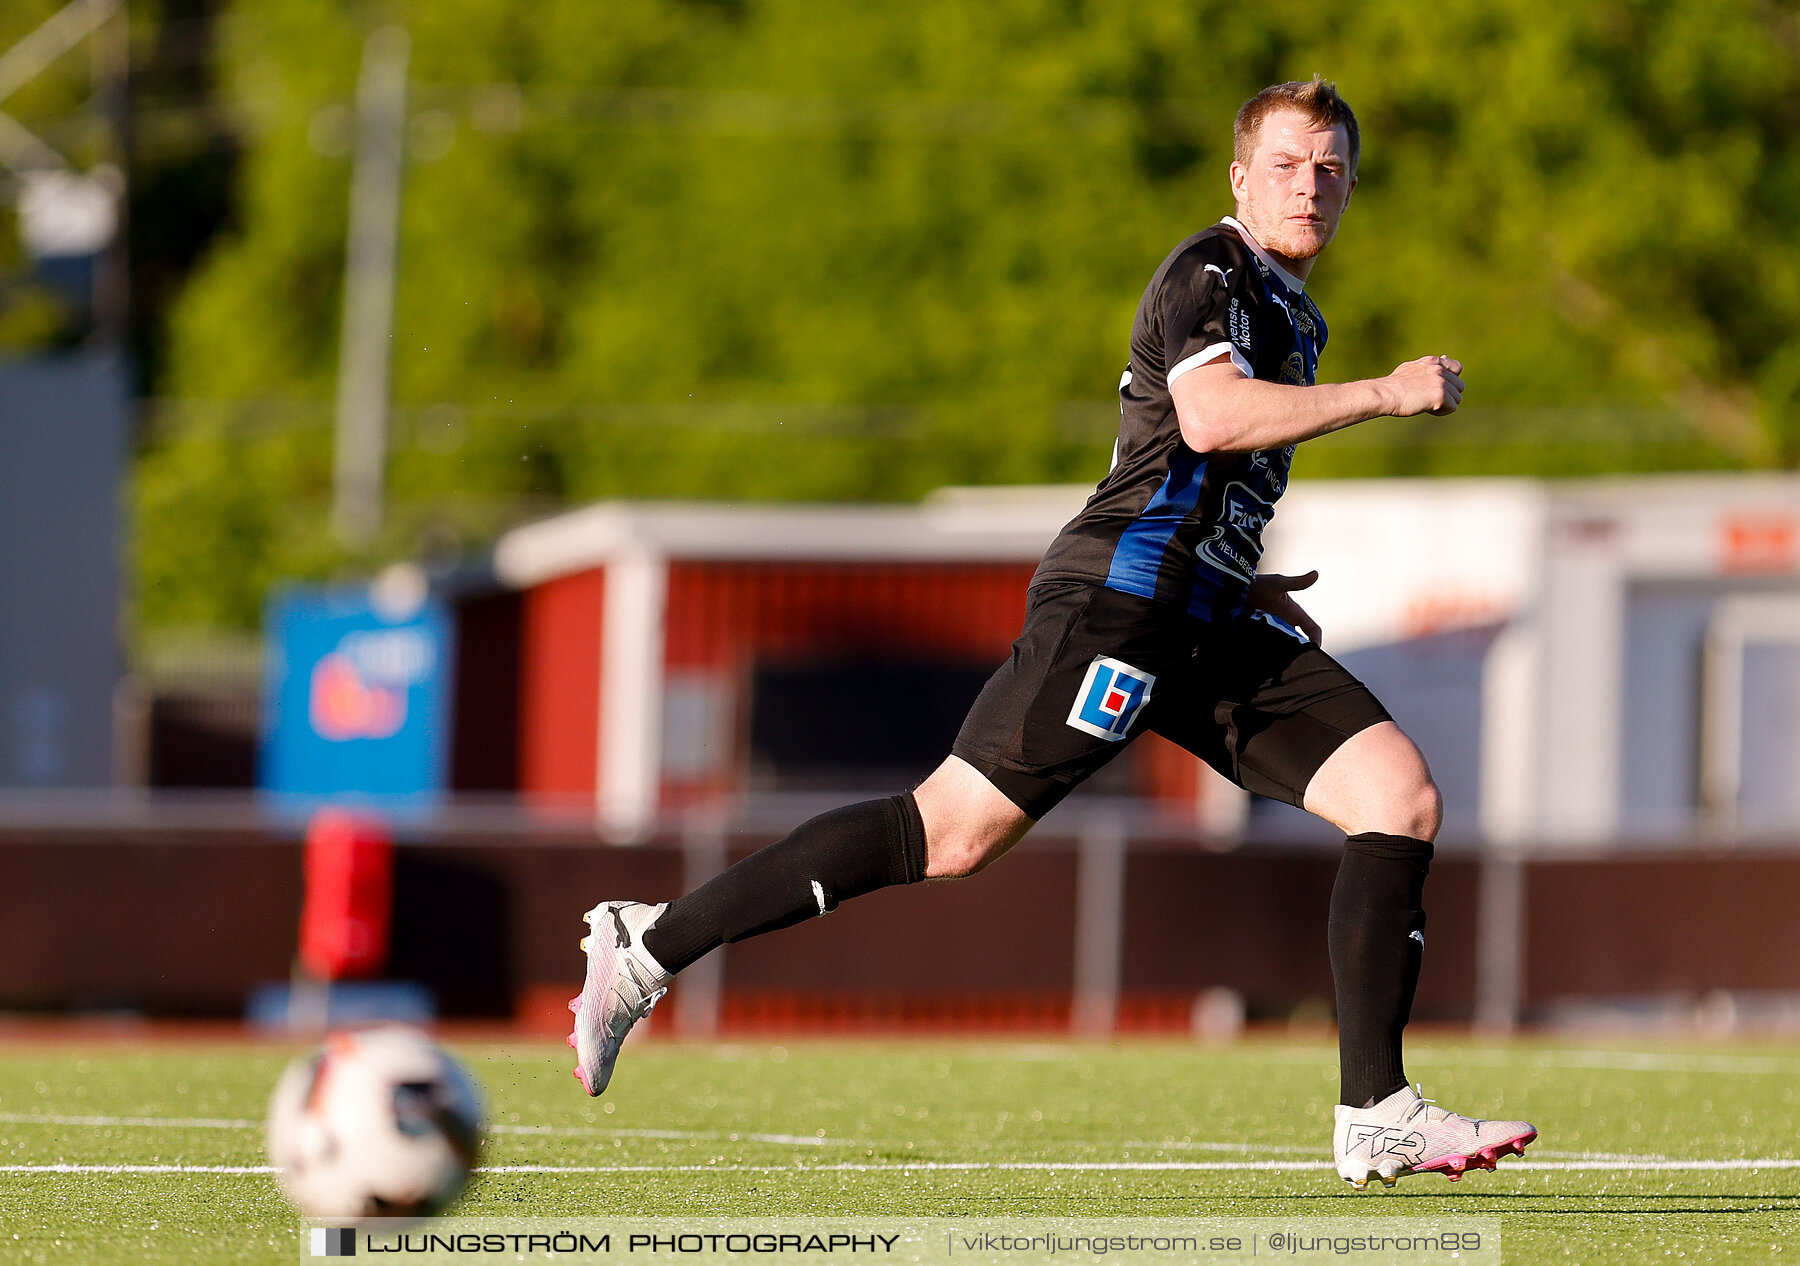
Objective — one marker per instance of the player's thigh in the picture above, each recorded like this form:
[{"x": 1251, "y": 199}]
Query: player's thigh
[
  {"x": 1070, "y": 697},
  {"x": 1266, "y": 709}
]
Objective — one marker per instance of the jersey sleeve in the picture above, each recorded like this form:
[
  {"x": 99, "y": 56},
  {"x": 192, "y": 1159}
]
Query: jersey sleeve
[{"x": 1207, "y": 315}]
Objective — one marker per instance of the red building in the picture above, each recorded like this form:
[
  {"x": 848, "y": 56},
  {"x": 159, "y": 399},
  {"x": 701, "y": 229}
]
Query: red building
[{"x": 672, "y": 653}]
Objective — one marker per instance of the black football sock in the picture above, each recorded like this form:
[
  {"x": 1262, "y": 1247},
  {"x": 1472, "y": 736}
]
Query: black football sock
[
  {"x": 825, "y": 860},
  {"x": 1377, "y": 938}
]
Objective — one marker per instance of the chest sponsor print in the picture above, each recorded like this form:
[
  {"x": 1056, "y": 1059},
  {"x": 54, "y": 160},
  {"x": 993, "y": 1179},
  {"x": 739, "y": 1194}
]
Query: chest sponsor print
[
  {"x": 1237, "y": 320},
  {"x": 1235, "y": 544}
]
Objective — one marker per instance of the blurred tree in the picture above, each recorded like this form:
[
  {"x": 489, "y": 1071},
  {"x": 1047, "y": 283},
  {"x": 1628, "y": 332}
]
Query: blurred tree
[
  {"x": 180, "y": 154},
  {"x": 768, "y": 248},
  {"x": 43, "y": 302},
  {"x": 184, "y": 151}
]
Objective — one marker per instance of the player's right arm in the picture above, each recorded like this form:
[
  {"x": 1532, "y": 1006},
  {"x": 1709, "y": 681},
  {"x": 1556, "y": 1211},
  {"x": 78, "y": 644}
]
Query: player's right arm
[{"x": 1223, "y": 410}]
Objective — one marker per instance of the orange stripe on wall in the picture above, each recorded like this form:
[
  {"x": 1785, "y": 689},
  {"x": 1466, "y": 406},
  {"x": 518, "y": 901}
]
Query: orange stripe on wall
[
  {"x": 559, "y": 705},
  {"x": 725, "y": 613}
]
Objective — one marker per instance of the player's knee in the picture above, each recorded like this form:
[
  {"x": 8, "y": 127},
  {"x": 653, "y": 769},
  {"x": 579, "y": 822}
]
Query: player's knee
[
  {"x": 968, "y": 822},
  {"x": 1423, "y": 808},
  {"x": 1408, "y": 801},
  {"x": 957, "y": 855},
  {"x": 955, "y": 850}
]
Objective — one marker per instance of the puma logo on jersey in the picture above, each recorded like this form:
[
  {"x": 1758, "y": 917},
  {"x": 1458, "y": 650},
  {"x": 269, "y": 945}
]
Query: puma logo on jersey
[
  {"x": 1382, "y": 1140},
  {"x": 1298, "y": 315}
]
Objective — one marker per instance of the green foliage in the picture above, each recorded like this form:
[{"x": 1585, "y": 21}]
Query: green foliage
[
  {"x": 58, "y": 109},
  {"x": 769, "y": 248}
]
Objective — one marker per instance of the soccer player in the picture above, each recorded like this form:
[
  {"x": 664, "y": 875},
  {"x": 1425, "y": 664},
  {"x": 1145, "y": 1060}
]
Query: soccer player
[{"x": 1148, "y": 613}]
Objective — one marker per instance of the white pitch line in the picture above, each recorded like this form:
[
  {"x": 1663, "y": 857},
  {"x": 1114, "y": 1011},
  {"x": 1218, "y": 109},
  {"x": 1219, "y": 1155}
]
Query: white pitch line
[
  {"x": 1185, "y": 1145},
  {"x": 898, "y": 1167},
  {"x": 1612, "y": 1162},
  {"x": 1278, "y": 1166},
  {"x": 1615, "y": 1162},
  {"x": 709, "y": 1136},
  {"x": 799, "y": 1140},
  {"x": 1613, "y": 1061},
  {"x": 588, "y": 1131},
  {"x": 1620, "y": 1061},
  {"x": 1770, "y": 1162},
  {"x": 138, "y": 1169},
  {"x": 230, "y": 1123},
  {"x": 196, "y": 1123}
]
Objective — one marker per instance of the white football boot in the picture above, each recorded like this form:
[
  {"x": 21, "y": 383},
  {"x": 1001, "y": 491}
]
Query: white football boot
[
  {"x": 1407, "y": 1134},
  {"x": 623, "y": 983}
]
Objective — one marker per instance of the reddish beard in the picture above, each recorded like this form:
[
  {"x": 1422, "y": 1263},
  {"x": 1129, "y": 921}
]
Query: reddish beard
[{"x": 1298, "y": 243}]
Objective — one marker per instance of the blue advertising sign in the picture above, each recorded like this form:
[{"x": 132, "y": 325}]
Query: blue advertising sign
[{"x": 355, "y": 701}]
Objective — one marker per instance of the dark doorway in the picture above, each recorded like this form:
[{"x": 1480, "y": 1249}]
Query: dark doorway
[
  {"x": 857, "y": 724},
  {"x": 452, "y": 932}
]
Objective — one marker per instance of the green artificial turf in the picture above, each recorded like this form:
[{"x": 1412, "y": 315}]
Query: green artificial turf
[{"x": 725, "y": 1129}]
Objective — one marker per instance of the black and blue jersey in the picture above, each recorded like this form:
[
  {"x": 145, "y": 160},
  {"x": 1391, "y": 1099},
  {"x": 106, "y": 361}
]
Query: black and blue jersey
[{"x": 1168, "y": 523}]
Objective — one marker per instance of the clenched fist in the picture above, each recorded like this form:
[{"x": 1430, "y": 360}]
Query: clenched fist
[{"x": 1431, "y": 384}]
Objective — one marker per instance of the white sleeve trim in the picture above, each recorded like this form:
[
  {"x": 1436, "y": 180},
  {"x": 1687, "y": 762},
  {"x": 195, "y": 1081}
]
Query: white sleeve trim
[{"x": 1206, "y": 356}]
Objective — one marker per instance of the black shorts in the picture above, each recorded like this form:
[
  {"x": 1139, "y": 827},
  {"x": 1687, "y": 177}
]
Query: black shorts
[{"x": 1096, "y": 667}]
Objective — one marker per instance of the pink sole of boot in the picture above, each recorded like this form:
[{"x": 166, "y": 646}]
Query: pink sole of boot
[
  {"x": 580, "y": 1073},
  {"x": 1454, "y": 1166}
]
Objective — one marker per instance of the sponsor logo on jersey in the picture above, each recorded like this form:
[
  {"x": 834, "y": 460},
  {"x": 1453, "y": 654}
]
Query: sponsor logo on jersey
[
  {"x": 1237, "y": 321},
  {"x": 1299, "y": 314},
  {"x": 1110, "y": 696},
  {"x": 1247, "y": 515},
  {"x": 1273, "y": 463},
  {"x": 1235, "y": 546},
  {"x": 1293, "y": 370}
]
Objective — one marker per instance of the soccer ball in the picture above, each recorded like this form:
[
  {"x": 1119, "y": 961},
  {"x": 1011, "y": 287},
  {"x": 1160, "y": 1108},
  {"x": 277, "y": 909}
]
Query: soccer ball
[{"x": 376, "y": 1123}]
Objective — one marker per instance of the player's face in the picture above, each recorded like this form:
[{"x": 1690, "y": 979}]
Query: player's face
[{"x": 1293, "y": 190}]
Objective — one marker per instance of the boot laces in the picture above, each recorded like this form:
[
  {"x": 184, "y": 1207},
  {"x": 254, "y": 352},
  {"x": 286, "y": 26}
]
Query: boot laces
[
  {"x": 1432, "y": 1113},
  {"x": 631, "y": 1013}
]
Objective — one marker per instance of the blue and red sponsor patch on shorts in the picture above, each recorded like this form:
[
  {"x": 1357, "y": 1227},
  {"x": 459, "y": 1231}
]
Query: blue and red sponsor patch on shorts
[{"x": 1110, "y": 697}]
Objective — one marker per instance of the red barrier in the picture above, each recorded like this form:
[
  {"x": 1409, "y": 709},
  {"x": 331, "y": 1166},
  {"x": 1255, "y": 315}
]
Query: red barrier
[{"x": 349, "y": 891}]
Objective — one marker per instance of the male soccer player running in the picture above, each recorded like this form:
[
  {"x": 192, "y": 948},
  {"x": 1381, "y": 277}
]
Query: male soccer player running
[{"x": 1148, "y": 614}]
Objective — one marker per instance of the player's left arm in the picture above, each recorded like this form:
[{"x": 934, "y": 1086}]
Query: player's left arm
[{"x": 1275, "y": 594}]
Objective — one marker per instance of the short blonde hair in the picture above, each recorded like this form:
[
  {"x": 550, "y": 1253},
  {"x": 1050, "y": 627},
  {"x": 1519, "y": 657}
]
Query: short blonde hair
[{"x": 1318, "y": 100}]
